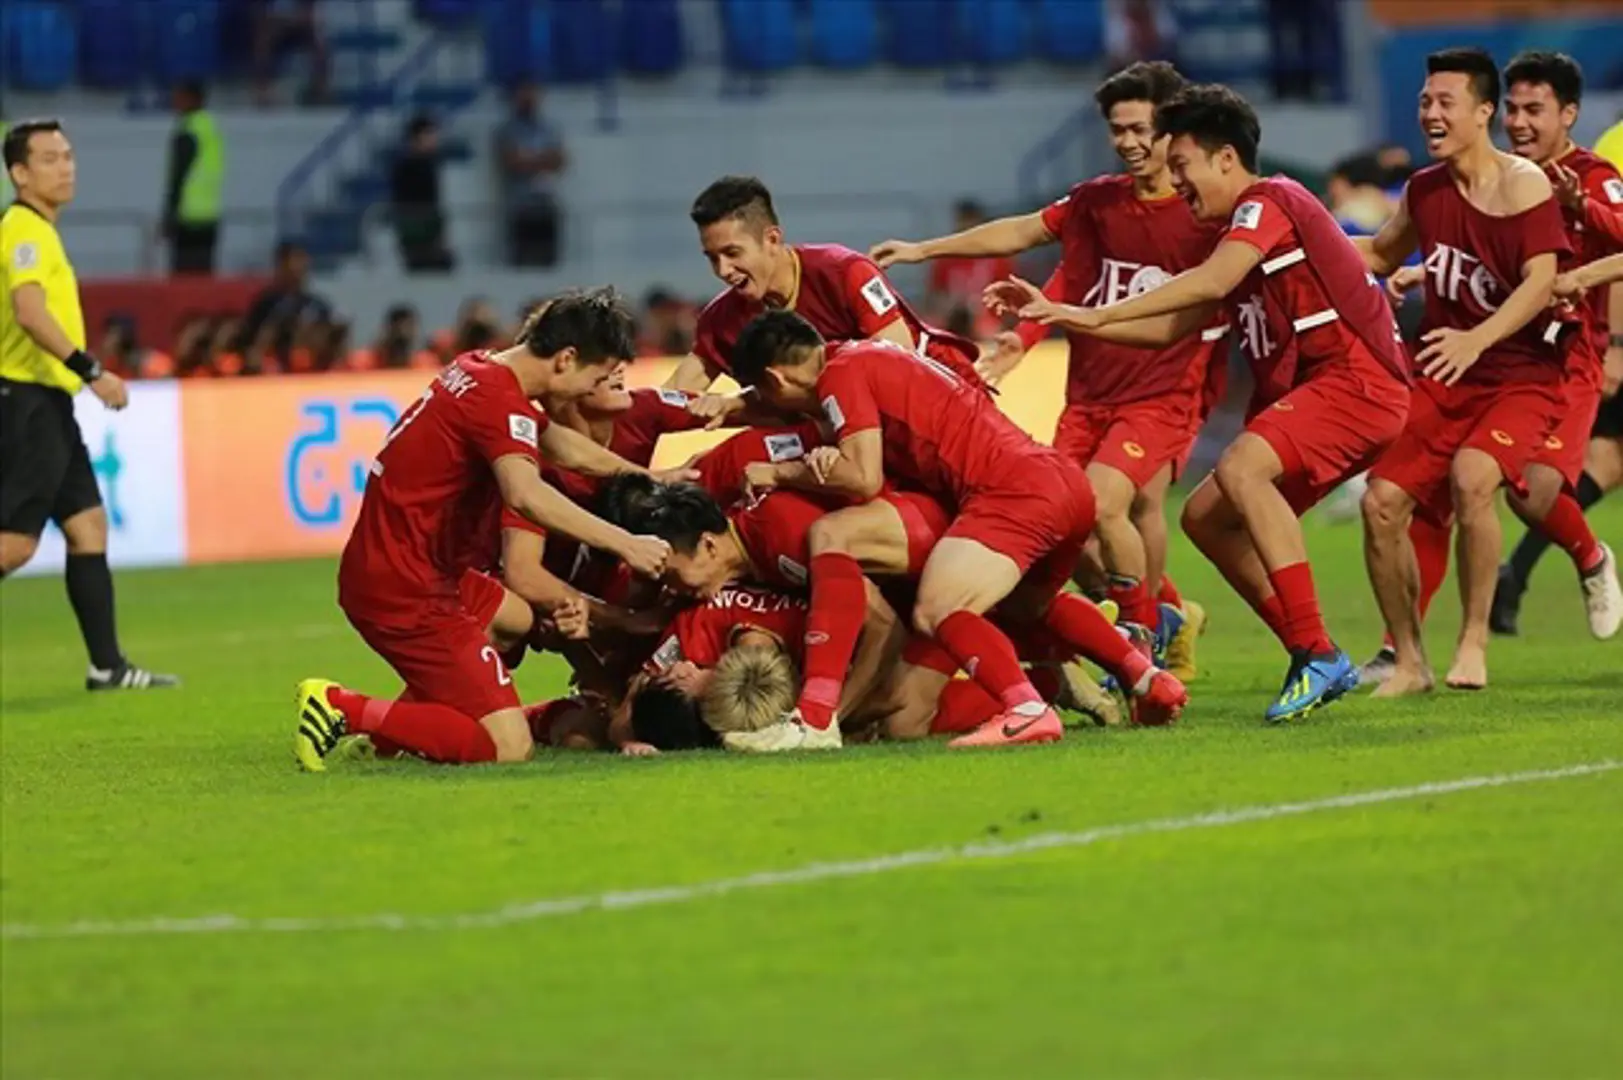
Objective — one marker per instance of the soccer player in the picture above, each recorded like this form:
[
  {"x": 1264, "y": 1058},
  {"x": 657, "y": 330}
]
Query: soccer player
[
  {"x": 45, "y": 469},
  {"x": 839, "y": 291},
  {"x": 1023, "y": 512},
  {"x": 473, "y": 437},
  {"x": 1331, "y": 376},
  {"x": 1130, "y": 413},
  {"x": 1491, "y": 233},
  {"x": 1542, "y": 93}
]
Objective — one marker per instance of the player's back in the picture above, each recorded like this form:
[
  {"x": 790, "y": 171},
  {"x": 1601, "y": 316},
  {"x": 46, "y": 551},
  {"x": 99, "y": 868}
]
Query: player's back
[
  {"x": 1473, "y": 262},
  {"x": 1600, "y": 181},
  {"x": 431, "y": 503},
  {"x": 721, "y": 469}
]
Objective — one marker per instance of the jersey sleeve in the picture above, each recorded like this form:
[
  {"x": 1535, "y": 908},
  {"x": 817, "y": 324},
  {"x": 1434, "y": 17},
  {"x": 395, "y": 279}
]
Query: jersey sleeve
[
  {"x": 663, "y": 411},
  {"x": 1260, "y": 222},
  {"x": 1055, "y": 213},
  {"x": 870, "y": 296},
  {"x": 1603, "y": 209},
  {"x": 499, "y": 425},
  {"x": 707, "y": 344},
  {"x": 1543, "y": 232},
  {"x": 848, "y": 402},
  {"x": 27, "y": 251}
]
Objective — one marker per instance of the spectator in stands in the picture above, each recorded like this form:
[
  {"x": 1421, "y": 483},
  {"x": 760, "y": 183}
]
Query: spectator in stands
[
  {"x": 955, "y": 285},
  {"x": 1139, "y": 30},
  {"x": 396, "y": 346},
  {"x": 478, "y": 326},
  {"x": 281, "y": 309},
  {"x": 1396, "y": 164},
  {"x": 1357, "y": 194},
  {"x": 283, "y": 27},
  {"x": 667, "y": 325},
  {"x": 194, "y": 346},
  {"x": 1305, "y": 48},
  {"x": 414, "y": 191},
  {"x": 196, "y": 185},
  {"x": 530, "y": 153},
  {"x": 121, "y": 354}
]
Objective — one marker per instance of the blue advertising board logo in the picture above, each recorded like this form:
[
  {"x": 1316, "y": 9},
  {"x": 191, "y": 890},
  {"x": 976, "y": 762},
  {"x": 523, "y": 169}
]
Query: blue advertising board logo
[{"x": 327, "y": 463}]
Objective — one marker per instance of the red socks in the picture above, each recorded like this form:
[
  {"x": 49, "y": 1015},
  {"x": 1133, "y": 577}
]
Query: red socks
[
  {"x": 1303, "y": 623},
  {"x": 435, "y": 732},
  {"x": 839, "y": 602},
  {"x": 1272, "y": 612},
  {"x": 1169, "y": 593},
  {"x": 1569, "y": 530},
  {"x": 964, "y": 706},
  {"x": 1134, "y": 601},
  {"x": 1084, "y": 628},
  {"x": 1431, "y": 553},
  {"x": 985, "y": 655}
]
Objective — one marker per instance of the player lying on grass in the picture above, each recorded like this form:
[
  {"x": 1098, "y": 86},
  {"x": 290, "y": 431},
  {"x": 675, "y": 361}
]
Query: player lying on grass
[
  {"x": 1023, "y": 513},
  {"x": 1131, "y": 412},
  {"x": 1331, "y": 377},
  {"x": 471, "y": 440}
]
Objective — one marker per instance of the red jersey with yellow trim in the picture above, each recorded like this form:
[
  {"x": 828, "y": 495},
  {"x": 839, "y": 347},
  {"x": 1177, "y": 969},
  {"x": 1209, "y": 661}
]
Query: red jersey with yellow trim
[
  {"x": 1116, "y": 246},
  {"x": 721, "y": 469},
  {"x": 703, "y": 633},
  {"x": 775, "y": 533},
  {"x": 845, "y": 296}
]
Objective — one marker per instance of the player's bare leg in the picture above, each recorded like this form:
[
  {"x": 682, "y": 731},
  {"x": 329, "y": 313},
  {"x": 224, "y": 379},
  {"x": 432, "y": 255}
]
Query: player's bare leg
[
  {"x": 1603, "y": 461},
  {"x": 15, "y": 551},
  {"x": 1121, "y": 546},
  {"x": 1215, "y": 527},
  {"x": 1149, "y": 516},
  {"x": 1090, "y": 575},
  {"x": 1394, "y": 573},
  {"x": 512, "y": 623},
  {"x": 873, "y": 534},
  {"x": 1475, "y": 478}
]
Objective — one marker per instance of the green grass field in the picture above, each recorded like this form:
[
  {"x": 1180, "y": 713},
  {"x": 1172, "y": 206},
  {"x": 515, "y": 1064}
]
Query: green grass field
[{"x": 1458, "y": 932}]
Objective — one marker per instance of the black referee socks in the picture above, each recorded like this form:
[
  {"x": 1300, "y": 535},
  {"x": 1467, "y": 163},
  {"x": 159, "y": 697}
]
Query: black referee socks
[{"x": 90, "y": 591}]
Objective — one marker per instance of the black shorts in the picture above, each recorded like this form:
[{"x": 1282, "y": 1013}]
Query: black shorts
[
  {"x": 45, "y": 470},
  {"x": 1609, "y": 421}
]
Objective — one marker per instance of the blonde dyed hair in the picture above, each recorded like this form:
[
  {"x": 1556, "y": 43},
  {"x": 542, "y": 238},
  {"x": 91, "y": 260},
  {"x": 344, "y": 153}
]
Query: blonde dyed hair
[{"x": 751, "y": 687}]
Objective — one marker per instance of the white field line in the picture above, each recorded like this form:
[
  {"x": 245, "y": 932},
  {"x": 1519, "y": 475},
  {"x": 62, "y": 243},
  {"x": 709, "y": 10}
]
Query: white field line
[{"x": 530, "y": 911}]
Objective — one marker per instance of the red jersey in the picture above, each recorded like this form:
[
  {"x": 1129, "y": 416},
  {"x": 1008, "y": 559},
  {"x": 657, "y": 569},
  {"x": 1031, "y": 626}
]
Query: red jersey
[
  {"x": 1594, "y": 232},
  {"x": 1473, "y": 262},
  {"x": 429, "y": 505},
  {"x": 1311, "y": 301},
  {"x": 842, "y": 293},
  {"x": 1116, "y": 246},
  {"x": 775, "y": 533},
  {"x": 721, "y": 469},
  {"x": 941, "y": 435},
  {"x": 703, "y": 633}
]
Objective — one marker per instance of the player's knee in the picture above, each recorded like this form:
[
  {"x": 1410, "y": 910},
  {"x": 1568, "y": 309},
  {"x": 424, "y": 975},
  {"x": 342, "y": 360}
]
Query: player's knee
[
  {"x": 15, "y": 551},
  {"x": 929, "y": 613},
  {"x": 1474, "y": 479},
  {"x": 511, "y": 748},
  {"x": 86, "y": 533},
  {"x": 1385, "y": 507}
]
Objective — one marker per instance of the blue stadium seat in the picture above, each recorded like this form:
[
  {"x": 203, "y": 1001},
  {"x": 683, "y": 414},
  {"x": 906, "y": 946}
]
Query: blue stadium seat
[
  {"x": 109, "y": 47},
  {"x": 448, "y": 12},
  {"x": 518, "y": 42},
  {"x": 921, "y": 33},
  {"x": 761, "y": 34},
  {"x": 185, "y": 39},
  {"x": 651, "y": 37},
  {"x": 40, "y": 44},
  {"x": 992, "y": 32},
  {"x": 1071, "y": 31},
  {"x": 581, "y": 41},
  {"x": 844, "y": 33}
]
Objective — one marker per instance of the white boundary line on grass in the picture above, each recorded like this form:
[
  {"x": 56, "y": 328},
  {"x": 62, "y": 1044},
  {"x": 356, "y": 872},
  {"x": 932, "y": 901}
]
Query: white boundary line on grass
[{"x": 530, "y": 911}]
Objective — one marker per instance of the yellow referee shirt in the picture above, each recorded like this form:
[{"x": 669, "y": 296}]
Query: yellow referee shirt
[
  {"x": 31, "y": 253},
  {"x": 1610, "y": 145}
]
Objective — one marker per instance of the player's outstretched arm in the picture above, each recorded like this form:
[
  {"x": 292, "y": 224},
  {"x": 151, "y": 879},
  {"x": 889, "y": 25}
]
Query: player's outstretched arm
[
  {"x": 524, "y": 573},
  {"x": 878, "y": 648},
  {"x": 1036, "y": 307},
  {"x": 1590, "y": 276},
  {"x": 855, "y": 468},
  {"x": 1198, "y": 287},
  {"x": 1005, "y": 236},
  {"x": 692, "y": 375},
  {"x": 1390, "y": 248},
  {"x": 523, "y": 489},
  {"x": 569, "y": 449}
]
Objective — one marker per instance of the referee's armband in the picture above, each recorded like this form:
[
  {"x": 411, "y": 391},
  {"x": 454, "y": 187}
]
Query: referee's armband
[{"x": 84, "y": 365}]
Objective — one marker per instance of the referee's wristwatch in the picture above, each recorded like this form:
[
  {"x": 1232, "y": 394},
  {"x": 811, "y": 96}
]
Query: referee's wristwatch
[{"x": 84, "y": 365}]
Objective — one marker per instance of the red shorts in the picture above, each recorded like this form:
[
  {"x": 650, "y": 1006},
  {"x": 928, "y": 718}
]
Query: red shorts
[
  {"x": 444, "y": 657},
  {"x": 1508, "y": 423},
  {"x": 1039, "y": 518},
  {"x": 1136, "y": 439},
  {"x": 1331, "y": 428},
  {"x": 481, "y": 596},
  {"x": 1564, "y": 449},
  {"x": 925, "y": 521}
]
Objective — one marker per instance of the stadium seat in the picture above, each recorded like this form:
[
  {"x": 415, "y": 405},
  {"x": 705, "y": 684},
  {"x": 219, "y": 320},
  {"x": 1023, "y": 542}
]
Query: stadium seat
[
  {"x": 110, "y": 46},
  {"x": 582, "y": 41},
  {"x": 447, "y": 12},
  {"x": 518, "y": 42},
  {"x": 40, "y": 45},
  {"x": 1071, "y": 31},
  {"x": 761, "y": 34},
  {"x": 844, "y": 33},
  {"x": 992, "y": 32},
  {"x": 651, "y": 37},
  {"x": 185, "y": 39},
  {"x": 920, "y": 33}
]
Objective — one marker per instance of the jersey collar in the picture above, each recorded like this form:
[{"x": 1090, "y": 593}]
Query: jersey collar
[
  {"x": 749, "y": 560},
  {"x": 793, "y": 298}
]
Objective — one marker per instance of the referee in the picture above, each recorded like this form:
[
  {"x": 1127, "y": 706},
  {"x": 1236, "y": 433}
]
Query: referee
[{"x": 45, "y": 471}]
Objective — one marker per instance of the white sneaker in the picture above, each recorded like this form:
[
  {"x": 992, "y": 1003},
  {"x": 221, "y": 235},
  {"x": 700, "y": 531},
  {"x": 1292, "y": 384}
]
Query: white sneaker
[
  {"x": 1603, "y": 596},
  {"x": 789, "y": 733}
]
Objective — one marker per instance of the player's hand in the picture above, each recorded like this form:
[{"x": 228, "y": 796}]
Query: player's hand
[
  {"x": 1004, "y": 298},
  {"x": 1567, "y": 289},
  {"x": 680, "y": 474},
  {"x": 891, "y": 252},
  {"x": 646, "y": 555},
  {"x": 639, "y": 749},
  {"x": 1612, "y": 372},
  {"x": 760, "y": 477},
  {"x": 1448, "y": 354},
  {"x": 1569, "y": 188},
  {"x": 822, "y": 460},
  {"x": 686, "y": 678},
  {"x": 111, "y": 390},
  {"x": 1001, "y": 357},
  {"x": 1403, "y": 280},
  {"x": 573, "y": 619},
  {"x": 715, "y": 409}
]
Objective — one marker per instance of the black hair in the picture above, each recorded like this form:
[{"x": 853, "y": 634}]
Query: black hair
[
  {"x": 669, "y": 720},
  {"x": 772, "y": 338},
  {"x": 741, "y": 197},
  {"x": 1474, "y": 62},
  {"x": 629, "y": 501},
  {"x": 680, "y": 514},
  {"x": 420, "y": 124},
  {"x": 194, "y": 89},
  {"x": 1215, "y": 117},
  {"x": 1361, "y": 170},
  {"x": 596, "y": 323},
  {"x": 1556, "y": 70},
  {"x": 1154, "y": 81},
  {"x": 969, "y": 208},
  {"x": 16, "y": 146},
  {"x": 285, "y": 248},
  {"x": 399, "y": 313}
]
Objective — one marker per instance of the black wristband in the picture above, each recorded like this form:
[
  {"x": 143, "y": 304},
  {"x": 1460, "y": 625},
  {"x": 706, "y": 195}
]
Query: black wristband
[{"x": 84, "y": 365}]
